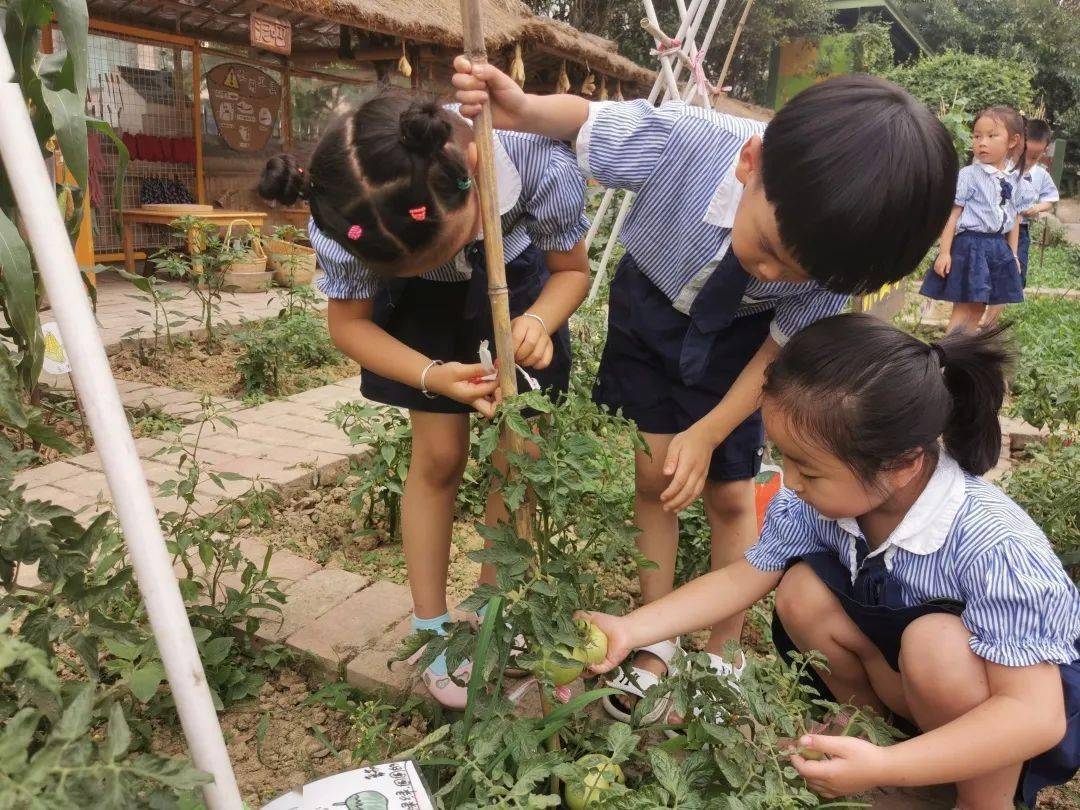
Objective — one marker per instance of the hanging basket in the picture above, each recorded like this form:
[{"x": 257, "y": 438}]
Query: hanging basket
[
  {"x": 292, "y": 265},
  {"x": 247, "y": 273}
]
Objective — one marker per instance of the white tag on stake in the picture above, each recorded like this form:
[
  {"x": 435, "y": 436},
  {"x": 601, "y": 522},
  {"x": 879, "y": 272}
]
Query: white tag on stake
[{"x": 489, "y": 365}]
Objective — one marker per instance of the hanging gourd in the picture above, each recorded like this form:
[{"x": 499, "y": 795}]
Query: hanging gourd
[
  {"x": 618, "y": 91},
  {"x": 562, "y": 84},
  {"x": 603, "y": 89},
  {"x": 403, "y": 66},
  {"x": 517, "y": 66},
  {"x": 588, "y": 84}
]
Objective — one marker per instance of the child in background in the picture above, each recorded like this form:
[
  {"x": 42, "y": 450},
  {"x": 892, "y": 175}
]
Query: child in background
[
  {"x": 739, "y": 236},
  {"x": 932, "y": 595},
  {"x": 1037, "y": 194},
  {"x": 977, "y": 265},
  {"x": 396, "y": 223}
]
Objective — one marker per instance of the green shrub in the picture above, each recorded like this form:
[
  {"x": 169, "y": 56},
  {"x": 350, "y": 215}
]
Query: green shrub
[
  {"x": 277, "y": 350},
  {"x": 1046, "y": 385},
  {"x": 980, "y": 80},
  {"x": 1057, "y": 266},
  {"x": 1045, "y": 485}
]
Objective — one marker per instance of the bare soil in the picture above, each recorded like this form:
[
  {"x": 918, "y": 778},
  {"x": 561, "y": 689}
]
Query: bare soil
[
  {"x": 277, "y": 742},
  {"x": 192, "y": 367}
]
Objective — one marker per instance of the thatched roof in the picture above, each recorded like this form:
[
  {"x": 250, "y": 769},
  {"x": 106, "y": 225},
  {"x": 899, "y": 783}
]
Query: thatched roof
[{"x": 505, "y": 22}]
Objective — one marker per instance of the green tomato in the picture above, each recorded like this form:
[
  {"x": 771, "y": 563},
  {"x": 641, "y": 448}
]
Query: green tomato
[
  {"x": 594, "y": 648},
  {"x": 600, "y": 774},
  {"x": 560, "y": 674}
]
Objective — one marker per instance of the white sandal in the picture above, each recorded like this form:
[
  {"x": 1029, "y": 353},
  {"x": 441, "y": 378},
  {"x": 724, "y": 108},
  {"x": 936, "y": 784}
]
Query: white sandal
[
  {"x": 723, "y": 669},
  {"x": 639, "y": 682}
]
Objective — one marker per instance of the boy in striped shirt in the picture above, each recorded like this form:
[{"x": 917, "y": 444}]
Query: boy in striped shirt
[{"x": 740, "y": 235}]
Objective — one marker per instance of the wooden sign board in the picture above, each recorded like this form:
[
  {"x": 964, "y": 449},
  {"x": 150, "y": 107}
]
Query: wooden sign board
[
  {"x": 269, "y": 34},
  {"x": 885, "y": 303},
  {"x": 245, "y": 102}
]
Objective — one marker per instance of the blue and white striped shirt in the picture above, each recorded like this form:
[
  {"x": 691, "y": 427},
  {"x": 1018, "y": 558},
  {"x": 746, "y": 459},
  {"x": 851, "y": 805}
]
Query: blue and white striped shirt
[
  {"x": 989, "y": 196},
  {"x": 1038, "y": 187},
  {"x": 541, "y": 199},
  {"x": 680, "y": 162},
  {"x": 963, "y": 539}
]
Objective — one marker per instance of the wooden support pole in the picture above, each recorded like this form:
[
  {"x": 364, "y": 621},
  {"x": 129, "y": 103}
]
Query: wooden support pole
[
  {"x": 196, "y": 121},
  {"x": 734, "y": 43},
  {"x": 498, "y": 292}
]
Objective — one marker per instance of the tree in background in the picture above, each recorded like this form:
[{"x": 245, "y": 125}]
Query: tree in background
[
  {"x": 1043, "y": 33},
  {"x": 771, "y": 23}
]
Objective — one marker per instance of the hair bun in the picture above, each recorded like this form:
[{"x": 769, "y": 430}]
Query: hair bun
[
  {"x": 283, "y": 180},
  {"x": 424, "y": 128}
]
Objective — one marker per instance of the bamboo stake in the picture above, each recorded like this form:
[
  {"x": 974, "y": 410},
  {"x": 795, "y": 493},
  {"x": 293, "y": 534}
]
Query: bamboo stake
[
  {"x": 734, "y": 42},
  {"x": 498, "y": 292}
]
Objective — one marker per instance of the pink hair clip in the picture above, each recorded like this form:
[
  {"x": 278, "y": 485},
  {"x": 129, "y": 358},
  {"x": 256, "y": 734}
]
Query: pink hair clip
[
  {"x": 419, "y": 214},
  {"x": 355, "y": 232}
]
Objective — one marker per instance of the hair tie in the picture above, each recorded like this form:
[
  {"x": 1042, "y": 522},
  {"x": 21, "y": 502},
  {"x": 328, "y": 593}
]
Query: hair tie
[
  {"x": 419, "y": 213},
  {"x": 465, "y": 185},
  {"x": 937, "y": 350},
  {"x": 355, "y": 232}
]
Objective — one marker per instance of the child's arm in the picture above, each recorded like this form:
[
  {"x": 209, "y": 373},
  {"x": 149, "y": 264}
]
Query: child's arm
[
  {"x": 1023, "y": 717},
  {"x": 557, "y": 116},
  {"x": 690, "y": 451},
  {"x": 700, "y": 603},
  {"x": 353, "y": 331},
  {"x": 1014, "y": 242},
  {"x": 943, "y": 262},
  {"x": 1037, "y": 209},
  {"x": 562, "y": 294}
]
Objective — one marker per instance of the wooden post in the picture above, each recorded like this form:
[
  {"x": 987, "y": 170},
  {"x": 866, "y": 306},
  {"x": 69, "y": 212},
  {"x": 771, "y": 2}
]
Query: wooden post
[
  {"x": 498, "y": 292},
  {"x": 734, "y": 43},
  {"x": 286, "y": 106},
  {"x": 196, "y": 120}
]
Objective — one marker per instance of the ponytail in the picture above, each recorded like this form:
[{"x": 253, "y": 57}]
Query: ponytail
[
  {"x": 973, "y": 368},
  {"x": 874, "y": 396}
]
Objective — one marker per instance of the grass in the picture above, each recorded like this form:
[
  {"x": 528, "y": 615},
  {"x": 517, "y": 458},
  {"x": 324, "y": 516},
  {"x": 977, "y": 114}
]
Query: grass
[
  {"x": 1046, "y": 385},
  {"x": 1058, "y": 267}
]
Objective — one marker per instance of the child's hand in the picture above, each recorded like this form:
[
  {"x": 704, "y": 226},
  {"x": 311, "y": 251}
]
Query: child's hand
[
  {"x": 943, "y": 264},
  {"x": 1031, "y": 212},
  {"x": 462, "y": 383},
  {"x": 853, "y": 766},
  {"x": 617, "y": 630},
  {"x": 687, "y": 463},
  {"x": 532, "y": 344},
  {"x": 478, "y": 84}
]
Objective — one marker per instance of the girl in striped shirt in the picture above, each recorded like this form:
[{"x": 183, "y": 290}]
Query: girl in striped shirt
[
  {"x": 932, "y": 595},
  {"x": 978, "y": 266},
  {"x": 395, "y": 219}
]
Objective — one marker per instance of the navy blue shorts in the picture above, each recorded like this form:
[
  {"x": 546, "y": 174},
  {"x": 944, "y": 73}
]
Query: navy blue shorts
[
  {"x": 639, "y": 370},
  {"x": 434, "y": 318},
  {"x": 983, "y": 271}
]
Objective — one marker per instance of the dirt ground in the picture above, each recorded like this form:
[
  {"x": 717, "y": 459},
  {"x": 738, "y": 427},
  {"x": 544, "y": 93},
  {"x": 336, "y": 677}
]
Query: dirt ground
[
  {"x": 190, "y": 367},
  {"x": 278, "y": 741}
]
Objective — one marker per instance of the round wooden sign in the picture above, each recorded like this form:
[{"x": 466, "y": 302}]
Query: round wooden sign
[{"x": 245, "y": 101}]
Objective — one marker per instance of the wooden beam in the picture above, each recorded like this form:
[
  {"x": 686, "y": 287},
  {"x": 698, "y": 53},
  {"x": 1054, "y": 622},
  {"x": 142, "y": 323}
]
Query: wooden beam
[
  {"x": 196, "y": 120},
  {"x": 107, "y": 27}
]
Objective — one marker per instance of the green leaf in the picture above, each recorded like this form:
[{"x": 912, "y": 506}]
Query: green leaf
[
  {"x": 12, "y": 412},
  {"x": 67, "y": 107},
  {"x": 15, "y": 741},
  {"x": 73, "y": 17},
  {"x": 76, "y": 718},
  {"x": 118, "y": 737},
  {"x": 20, "y": 298},
  {"x": 145, "y": 680}
]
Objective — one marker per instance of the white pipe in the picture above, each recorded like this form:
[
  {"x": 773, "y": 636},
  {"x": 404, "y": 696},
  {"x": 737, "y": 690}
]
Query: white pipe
[
  {"x": 598, "y": 279},
  {"x": 34, "y": 193},
  {"x": 665, "y": 64},
  {"x": 691, "y": 88}
]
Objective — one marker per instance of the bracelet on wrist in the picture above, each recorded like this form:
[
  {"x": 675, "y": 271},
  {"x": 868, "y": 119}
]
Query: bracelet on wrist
[
  {"x": 537, "y": 318},
  {"x": 423, "y": 378}
]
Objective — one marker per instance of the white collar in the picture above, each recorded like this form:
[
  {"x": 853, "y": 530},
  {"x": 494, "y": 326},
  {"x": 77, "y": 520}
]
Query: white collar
[
  {"x": 507, "y": 177},
  {"x": 926, "y": 525},
  {"x": 994, "y": 170},
  {"x": 725, "y": 200}
]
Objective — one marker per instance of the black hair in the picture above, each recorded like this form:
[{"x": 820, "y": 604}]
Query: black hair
[
  {"x": 1015, "y": 124},
  {"x": 873, "y": 396},
  {"x": 862, "y": 176},
  {"x": 381, "y": 181},
  {"x": 1039, "y": 131}
]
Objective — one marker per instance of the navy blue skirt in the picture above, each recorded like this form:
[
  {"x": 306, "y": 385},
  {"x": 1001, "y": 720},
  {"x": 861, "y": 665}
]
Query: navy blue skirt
[
  {"x": 872, "y": 603},
  {"x": 640, "y": 370},
  {"x": 448, "y": 320},
  {"x": 983, "y": 271},
  {"x": 1022, "y": 252}
]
